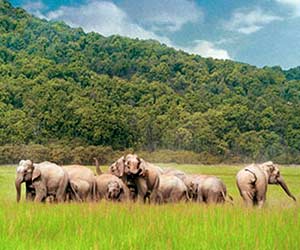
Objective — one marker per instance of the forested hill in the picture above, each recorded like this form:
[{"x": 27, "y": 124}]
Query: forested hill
[{"x": 61, "y": 85}]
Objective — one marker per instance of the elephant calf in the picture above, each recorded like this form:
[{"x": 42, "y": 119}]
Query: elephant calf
[
  {"x": 82, "y": 182},
  {"x": 252, "y": 182},
  {"x": 111, "y": 188},
  {"x": 206, "y": 188}
]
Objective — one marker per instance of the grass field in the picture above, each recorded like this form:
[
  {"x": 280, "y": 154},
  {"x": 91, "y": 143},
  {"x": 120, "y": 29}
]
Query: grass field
[{"x": 138, "y": 226}]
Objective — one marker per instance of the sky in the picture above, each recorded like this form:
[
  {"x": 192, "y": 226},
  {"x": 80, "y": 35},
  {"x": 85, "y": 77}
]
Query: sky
[{"x": 261, "y": 33}]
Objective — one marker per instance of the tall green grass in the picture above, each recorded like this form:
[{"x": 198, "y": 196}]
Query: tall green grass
[{"x": 107, "y": 225}]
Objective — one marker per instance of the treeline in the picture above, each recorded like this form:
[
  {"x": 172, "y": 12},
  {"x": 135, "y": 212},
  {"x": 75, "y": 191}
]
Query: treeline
[
  {"x": 60, "y": 86},
  {"x": 64, "y": 155}
]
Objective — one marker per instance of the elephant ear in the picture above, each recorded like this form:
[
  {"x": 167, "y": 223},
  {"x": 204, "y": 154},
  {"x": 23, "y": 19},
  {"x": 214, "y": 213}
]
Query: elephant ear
[
  {"x": 268, "y": 167},
  {"x": 144, "y": 172},
  {"x": 122, "y": 165},
  {"x": 21, "y": 162},
  {"x": 36, "y": 174}
]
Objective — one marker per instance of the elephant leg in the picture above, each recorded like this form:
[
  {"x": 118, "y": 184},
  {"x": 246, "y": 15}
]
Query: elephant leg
[
  {"x": 260, "y": 203},
  {"x": 249, "y": 197},
  {"x": 248, "y": 191},
  {"x": 260, "y": 194},
  {"x": 200, "y": 196},
  {"x": 260, "y": 199},
  {"x": 145, "y": 198},
  {"x": 89, "y": 196},
  {"x": 185, "y": 196},
  {"x": 155, "y": 197},
  {"x": 29, "y": 196},
  {"x": 212, "y": 197},
  {"x": 30, "y": 192},
  {"x": 61, "y": 190},
  {"x": 41, "y": 191},
  {"x": 176, "y": 196}
]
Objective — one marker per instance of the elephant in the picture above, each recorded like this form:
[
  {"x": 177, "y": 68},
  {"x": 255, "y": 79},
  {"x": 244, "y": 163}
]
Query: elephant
[
  {"x": 252, "y": 182},
  {"x": 48, "y": 179},
  {"x": 24, "y": 175},
  {"x": 178, "y": 173},
  {"x": 171, "y": 189},
  {"x": 208, "y": 189},
  {"x": 111, "y": 187},
  {"x": 117, "y": 169},
  {"x": 147, "y": 185},
  {"x": 82, "y": 182}
]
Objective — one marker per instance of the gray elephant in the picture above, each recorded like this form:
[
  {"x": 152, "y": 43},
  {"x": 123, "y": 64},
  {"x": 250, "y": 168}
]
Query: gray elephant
[
  {"x": 171, "y": 189},
  {"x": 82, "y": 182},
  {"x": 111, "y": 188},
  {"x": 24, "y": 175},
  {"x": 147, "y": 185},
  {"x": 118, "y": 169},
  {"x": 47, "y": 179},
  {"x": 178, "y": 173},
  {"x": 207, "y": 189},
  {"x": 252, "y": 182}
]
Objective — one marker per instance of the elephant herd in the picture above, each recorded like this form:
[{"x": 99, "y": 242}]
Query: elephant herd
[{"x": 131, "y": 178}]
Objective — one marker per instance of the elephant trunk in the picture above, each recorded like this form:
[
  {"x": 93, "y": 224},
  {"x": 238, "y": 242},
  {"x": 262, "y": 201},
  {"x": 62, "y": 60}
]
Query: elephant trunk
[
  {"x": 18, "y": 183},
  {"x": 282, "y": 183},
  {"x": 98, "y": 169}
]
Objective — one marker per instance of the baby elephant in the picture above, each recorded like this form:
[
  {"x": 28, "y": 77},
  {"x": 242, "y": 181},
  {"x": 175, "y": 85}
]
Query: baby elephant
[
  {"x": 111, "y": 188},
  {"x": 114, "y": 191},
  {"x": 208, "y": 189}
]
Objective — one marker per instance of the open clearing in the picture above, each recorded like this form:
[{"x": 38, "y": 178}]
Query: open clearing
[{"x": 137, "y": 226}]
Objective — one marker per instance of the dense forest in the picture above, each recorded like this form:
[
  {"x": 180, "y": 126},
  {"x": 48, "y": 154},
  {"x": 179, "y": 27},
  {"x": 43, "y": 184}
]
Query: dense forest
[{"x": 62, "y": 86}]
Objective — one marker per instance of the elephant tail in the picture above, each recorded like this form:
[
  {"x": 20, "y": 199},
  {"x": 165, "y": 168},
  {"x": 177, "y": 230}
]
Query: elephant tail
[
  {"x": 98, "y": 170},
  {"x": 229, "y": 199},
  {"x": 94, "y": 191}
]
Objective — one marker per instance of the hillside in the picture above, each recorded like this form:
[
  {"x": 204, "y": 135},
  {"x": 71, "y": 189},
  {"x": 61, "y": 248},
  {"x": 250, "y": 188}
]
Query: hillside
[{"x": 60, "y": 85}]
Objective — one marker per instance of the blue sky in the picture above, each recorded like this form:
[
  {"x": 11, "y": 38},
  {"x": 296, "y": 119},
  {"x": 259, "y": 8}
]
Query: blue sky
[{"x": 265, "y": 32}]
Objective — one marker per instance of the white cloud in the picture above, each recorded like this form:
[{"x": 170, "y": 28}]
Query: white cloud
[
  {"x": 247, "y": 22},
  {"x": 164, "y": 15},
  {"x": 35, "y": 8},
  {"x": 293, "y": 4},
  {"x": 34, "y": 5},
  {"x": 105, "y": 18},
  {"x": 207, "y": 49},
  {"x": 108, "y": 19}
]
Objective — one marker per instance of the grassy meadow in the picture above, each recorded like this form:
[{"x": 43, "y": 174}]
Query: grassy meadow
[{"x": 137, "y": 226}]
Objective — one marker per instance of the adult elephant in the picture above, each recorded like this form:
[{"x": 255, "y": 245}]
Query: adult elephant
[
  {"x": 145, "y": 177},
  {"x": 24, "y": 175},
  {"x": 82, "y": 182},
  {"x": 252, "y": 182},
  {"x": 208, "y": 189},
  {"x": 171, "y": 189},
  {"x": 178, "y": 173},
  {"x": 47, "y": 179},
  {"x": 118, "y": 169}
]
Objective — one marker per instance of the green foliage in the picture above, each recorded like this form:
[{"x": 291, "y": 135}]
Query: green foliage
[{"x": 59, "y": 85}]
